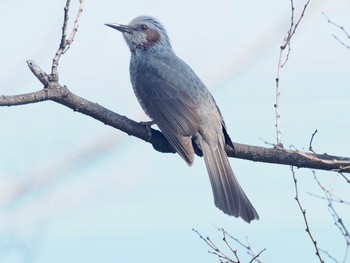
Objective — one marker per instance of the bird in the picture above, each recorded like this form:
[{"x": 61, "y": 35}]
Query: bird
[{"x": 182, "y": 107}]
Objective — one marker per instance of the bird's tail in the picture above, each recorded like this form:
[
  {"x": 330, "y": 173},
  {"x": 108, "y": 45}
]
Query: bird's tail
[{"x": 228, "y": 194}]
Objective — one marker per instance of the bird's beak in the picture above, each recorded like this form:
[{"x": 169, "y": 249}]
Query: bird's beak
[{"x": 121, "y": 28}]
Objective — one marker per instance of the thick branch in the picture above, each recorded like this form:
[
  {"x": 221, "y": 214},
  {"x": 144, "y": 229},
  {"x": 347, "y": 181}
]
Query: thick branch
[{"x": 55, "y": 92}]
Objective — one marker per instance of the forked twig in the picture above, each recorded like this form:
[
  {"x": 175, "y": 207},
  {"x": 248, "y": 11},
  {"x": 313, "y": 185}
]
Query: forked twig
[
  {"x": 216, "y": 251},
  {"x": 347, "y": 35},
  {"x": 250, "y": 251},
  {"x": 65, "y": 43},
  {"x": 303, "y": 211},
  {"x": 222, "y": 255},
  {"x": 334, "y": 199},
  {"x": 329, "y": 255},
  {"x": 286, "y": 43},
  {"x": 338, "y": 222}
]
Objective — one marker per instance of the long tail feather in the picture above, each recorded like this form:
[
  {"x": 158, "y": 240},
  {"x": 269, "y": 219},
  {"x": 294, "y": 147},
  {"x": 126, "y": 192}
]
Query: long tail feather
[{"x": 228, "y": 194}]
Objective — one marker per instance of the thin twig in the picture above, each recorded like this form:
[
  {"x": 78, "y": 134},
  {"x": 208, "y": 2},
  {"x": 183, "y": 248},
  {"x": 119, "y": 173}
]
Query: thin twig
[
  {"x": 65, "y": 43},
  {"x": 340, "y": 41},
  {"x": 248, "y": 247},
  {"x": 267, "y": 143},
  {"x": 216, "y": 251},
  {"x": 334, "y": 198},
  {"x": 258, "y": 255},
  {"x": 292, "y": 30},
  {"x": 288, "y": 38},
  {"x": 286, "y": 43},
  {"x": 75, "y": 27},
  {"x": 310, "y": 144},
  {"x": 314, "y": 242},
  {"x": 329, "y": 255},
  {"x": 234, "y": 251},
  {"x": 338, "y": 222},
  {"x": 61, "y": 47},
  {"x": 343, "y": 175},
  {"x": 347, "y": 35}
]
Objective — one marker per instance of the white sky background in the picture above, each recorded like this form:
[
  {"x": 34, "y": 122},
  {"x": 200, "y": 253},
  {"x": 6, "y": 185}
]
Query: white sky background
[{"x": 75, "y": 190}]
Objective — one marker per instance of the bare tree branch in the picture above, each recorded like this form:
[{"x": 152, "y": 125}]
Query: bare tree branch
[
  {"x": 65, "y": 43},
  {"x": 347, "y": 35},
  {"x": 334, "y": 199},
  {"x": 70, "y": 40},
  {"x": 329, "y": 255},
  {"x": 216, "y": 251},
  {"x": 248, "y": 247},
  {"x": 222, "y": 255},
  {"x": 303, "y": 211},
  {"x": 286, "y": 43},
  {"x": 338, "y": 222},
  {"x": 55, "y": 92}
]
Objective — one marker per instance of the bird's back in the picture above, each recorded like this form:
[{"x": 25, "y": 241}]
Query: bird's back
[{"x": 164, "y": 72}]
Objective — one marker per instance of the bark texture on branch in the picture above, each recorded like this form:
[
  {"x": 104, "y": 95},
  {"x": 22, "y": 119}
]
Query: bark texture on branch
[{"x": 55, "y": 92}]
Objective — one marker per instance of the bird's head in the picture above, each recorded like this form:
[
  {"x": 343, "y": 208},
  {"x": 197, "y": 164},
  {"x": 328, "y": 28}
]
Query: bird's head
[{"x": 142, "y": 33}]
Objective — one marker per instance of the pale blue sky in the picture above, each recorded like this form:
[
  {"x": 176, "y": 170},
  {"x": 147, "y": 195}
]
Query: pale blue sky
[{"x": 75, "y": 190}]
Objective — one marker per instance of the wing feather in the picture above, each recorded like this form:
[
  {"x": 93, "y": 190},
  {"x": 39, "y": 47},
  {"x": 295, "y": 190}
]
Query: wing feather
[{"x": 166, "y": 99}]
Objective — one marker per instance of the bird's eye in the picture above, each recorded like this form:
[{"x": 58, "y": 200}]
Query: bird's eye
[{"x": 143, "y": 27}]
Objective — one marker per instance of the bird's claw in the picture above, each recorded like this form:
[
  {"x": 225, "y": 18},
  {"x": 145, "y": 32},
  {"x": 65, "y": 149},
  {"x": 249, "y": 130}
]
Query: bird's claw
[{"x": 148, "y": 125}]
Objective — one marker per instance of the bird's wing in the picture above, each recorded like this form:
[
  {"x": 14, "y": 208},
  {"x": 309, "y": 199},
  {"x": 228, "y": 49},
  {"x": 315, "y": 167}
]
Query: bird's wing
[{"x": 163, "y": 90}]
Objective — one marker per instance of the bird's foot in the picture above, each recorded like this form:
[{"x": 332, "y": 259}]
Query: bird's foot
[{"x": 148, "y": 125}]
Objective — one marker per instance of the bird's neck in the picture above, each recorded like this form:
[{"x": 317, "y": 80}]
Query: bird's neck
[{"x": 151, "y": 49}]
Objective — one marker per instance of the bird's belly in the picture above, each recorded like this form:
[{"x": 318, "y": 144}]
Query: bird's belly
[{"x": 142, "y": 104}]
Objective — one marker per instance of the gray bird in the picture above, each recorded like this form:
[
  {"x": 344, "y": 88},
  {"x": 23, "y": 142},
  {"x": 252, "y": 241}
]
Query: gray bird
[{"x": 175, "y": 98}]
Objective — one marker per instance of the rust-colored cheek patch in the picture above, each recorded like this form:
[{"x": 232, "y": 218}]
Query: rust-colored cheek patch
[{"x": 152, "y": 37}]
